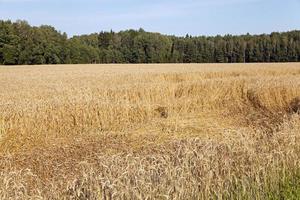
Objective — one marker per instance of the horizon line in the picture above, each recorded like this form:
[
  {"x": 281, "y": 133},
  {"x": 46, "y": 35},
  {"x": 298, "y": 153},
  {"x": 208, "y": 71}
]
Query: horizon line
[{"x": 141, "y": 28}]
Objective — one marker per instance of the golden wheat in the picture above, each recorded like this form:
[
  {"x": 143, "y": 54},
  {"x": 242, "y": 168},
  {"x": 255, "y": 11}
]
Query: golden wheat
[{"x": 173, "y": 131}]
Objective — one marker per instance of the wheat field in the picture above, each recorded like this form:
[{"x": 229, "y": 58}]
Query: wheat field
[{"x": 155, "y": 131}]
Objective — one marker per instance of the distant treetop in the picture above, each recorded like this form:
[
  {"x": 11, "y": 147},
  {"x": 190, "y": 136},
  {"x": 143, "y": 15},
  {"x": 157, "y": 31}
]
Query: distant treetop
[{"x": 21, "y": 43}]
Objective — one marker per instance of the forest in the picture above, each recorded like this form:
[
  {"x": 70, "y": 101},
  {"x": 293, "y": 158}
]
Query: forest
[{"x": 23, "y": 44}]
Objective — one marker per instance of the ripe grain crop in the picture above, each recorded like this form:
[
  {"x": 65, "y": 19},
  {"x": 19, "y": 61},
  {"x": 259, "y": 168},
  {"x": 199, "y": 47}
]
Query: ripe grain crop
[{"x": 168, "y": 131}]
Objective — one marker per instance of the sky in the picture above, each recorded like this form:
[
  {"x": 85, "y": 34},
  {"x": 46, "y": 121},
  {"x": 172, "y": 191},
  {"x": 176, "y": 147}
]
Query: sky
[{"x": 173, "y": 17}]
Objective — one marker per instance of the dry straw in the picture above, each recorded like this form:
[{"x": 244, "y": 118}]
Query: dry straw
[{"x": 150, "y": 131}]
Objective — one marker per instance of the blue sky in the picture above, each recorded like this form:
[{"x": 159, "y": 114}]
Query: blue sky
[{"x": 178, "y": 17}]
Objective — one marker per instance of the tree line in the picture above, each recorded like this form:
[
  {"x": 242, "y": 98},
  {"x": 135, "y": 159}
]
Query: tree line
[{"x": 21, "y": 44}]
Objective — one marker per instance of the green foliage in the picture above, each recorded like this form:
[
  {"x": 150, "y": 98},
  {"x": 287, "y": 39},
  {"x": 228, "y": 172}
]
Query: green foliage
[
  {"x": 9, "y": 55},
  {"x": 21, "y": 43}
]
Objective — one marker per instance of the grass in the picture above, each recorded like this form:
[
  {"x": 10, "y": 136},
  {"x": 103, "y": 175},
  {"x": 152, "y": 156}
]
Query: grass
[{"x": 174, "y": 131}]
